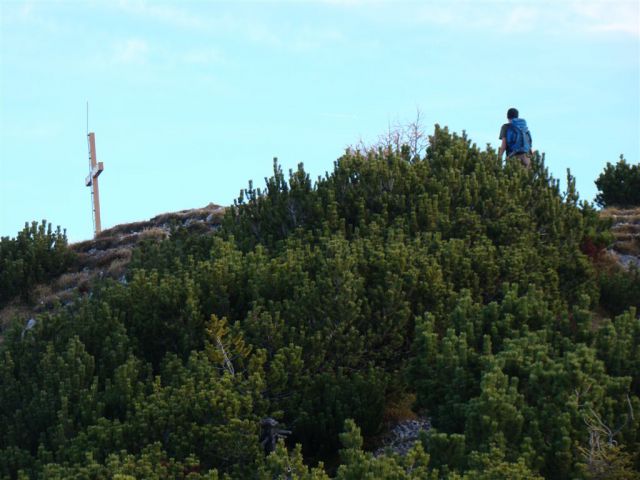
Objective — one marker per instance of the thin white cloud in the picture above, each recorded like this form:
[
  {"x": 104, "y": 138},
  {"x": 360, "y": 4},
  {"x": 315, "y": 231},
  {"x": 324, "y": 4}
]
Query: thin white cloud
[
  {"x": 338, "y": 115},
  {"x": 346, "y": 3},
  {"x": 522, "y": 18},
  {"x": 585, "y": 16},
  {"x": 131, "y": 51},
  {"x": 38, "y": 131},
  {"x": 203, "y": 56},
  {"x": 27, "y": 9},
  {"x": 308, "y": 39},
  {"x": 31, "y": 13},
  {"x": 609, "y": 16},
  {"x": 252, "y": 28},
  {"x": 172, "y": 15}
]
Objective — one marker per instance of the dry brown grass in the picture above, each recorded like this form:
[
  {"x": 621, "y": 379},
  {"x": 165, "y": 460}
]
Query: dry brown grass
[
  {"x": 117, "y": 268},
  {"x": 129, "y": 233},
  {"x": 101, "y": 243},
  {"x": 14, "y": 311},
  {"x": 626, "y": 228},
  {"x": 169, "y": 217},
  {"x": 197, "y": 213},
  {"x": 41, "y": 291},
  {"x": 607, "y": 263},
  {"x": 104, "y": 242},
  {"x": 125, "y": 229},
  {"x": 154, "y": 233},
  {"x": 82, "y": 247},
  {"x": 198, "y": 228},
  {"x": 400, "y": 409},
  {"x": 620, "y": 211},
  {"x": 630, "y": 215},
  {"x": 628, "y": 247},
  {"x": 71, "y": 280},
  {"x": 55, "y": 298},
  {"x": 622, "y": 238},
  {"x": 107, "y": 258}
]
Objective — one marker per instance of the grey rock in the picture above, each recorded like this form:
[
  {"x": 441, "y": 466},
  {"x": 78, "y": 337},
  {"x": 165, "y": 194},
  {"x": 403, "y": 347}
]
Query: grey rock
[
  {"x": 627, "y": 261},
  {"x": 29, "y": 325},
  {"x": 403, "y": 436}
]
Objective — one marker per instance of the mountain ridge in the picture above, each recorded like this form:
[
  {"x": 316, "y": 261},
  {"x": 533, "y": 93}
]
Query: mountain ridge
[{"x": 453, "y": 289}]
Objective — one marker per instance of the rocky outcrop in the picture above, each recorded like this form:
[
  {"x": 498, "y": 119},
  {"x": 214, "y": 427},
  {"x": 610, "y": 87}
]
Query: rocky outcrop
[
  {"x": 626, "y": 231},
  {"x": 403, "y": 436}
]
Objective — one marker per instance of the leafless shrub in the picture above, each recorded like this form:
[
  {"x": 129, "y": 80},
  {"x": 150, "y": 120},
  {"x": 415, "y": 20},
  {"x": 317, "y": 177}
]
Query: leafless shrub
[
  {"x": 603, "y": 457},
  {"x": 412, "y": 135}
]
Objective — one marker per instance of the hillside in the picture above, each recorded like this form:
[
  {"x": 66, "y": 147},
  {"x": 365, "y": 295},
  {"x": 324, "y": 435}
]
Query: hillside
[
  {"x": 107, "y": 256},
  {"x": 450, "y": 299}
]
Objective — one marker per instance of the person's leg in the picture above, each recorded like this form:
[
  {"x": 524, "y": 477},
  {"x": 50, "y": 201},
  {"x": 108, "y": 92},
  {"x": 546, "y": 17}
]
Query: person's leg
[{"x": 525, "y": 159}]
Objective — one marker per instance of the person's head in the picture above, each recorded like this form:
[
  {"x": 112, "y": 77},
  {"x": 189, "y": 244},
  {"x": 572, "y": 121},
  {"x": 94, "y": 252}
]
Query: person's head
[{"x": 512, "y": 113}]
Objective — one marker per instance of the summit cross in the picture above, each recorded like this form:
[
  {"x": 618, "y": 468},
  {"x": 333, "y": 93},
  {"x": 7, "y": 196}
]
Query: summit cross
[{"x": 92, "y": 181}]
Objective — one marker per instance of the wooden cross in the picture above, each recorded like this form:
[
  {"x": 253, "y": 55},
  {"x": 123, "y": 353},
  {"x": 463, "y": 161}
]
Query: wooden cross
[{"x": 92, "y": 181}]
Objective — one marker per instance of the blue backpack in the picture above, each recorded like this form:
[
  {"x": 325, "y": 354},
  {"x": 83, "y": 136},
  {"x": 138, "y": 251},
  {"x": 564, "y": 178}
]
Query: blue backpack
[{"x": 518, "y": 137}]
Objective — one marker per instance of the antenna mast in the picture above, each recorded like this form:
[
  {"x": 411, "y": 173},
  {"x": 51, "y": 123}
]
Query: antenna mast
[{"x": 95, "y": 169}]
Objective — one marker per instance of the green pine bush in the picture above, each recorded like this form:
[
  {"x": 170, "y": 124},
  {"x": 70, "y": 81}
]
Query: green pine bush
[
  {"x": 37, "y": 254},
  {"x": 451, "y": 277},
  {"x": 619, "y": 185}
]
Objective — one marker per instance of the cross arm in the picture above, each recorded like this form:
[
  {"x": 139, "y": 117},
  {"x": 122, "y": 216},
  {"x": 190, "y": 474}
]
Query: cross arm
[{"x": 95, "y": 171}]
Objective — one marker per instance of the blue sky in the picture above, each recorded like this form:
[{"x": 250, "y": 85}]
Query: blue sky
[{"x": 190, "y": 100}]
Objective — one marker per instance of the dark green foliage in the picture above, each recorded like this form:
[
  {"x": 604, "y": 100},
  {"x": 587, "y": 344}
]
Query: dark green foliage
[
  {"x": 62, "y": 409},
  {"x": 451, "y": 276},
  {"x": 618, "y": 345},
  {"x": 357, "y": 464},
  {"x": 619, "y": 185},
  {"x": 619, "y": 290},
  {"x": 36, "y": 255}
]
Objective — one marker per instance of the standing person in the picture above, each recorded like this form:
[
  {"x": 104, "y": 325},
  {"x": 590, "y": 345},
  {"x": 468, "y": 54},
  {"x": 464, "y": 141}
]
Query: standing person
[{"x": 516, "y": 139}]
